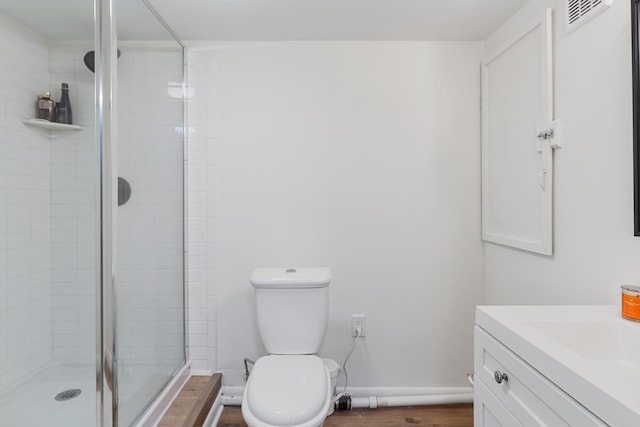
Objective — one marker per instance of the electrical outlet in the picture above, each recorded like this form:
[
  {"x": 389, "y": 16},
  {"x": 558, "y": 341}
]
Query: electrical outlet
[{"x": 358, "y": 320}]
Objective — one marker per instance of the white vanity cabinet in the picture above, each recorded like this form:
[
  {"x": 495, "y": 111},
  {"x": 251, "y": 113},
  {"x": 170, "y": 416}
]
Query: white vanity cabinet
[{"x": 510, "y": 392}]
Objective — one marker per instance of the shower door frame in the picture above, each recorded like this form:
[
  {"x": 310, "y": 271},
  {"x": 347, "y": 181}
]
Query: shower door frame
[{"x": 106, "y": 116}]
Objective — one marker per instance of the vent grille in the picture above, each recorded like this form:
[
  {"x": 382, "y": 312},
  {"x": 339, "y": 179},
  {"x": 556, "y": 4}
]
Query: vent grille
[{"x": 581, "y": 11}]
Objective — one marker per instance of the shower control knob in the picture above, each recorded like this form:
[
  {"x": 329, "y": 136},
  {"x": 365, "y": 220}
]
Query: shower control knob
[{"x": 500, "y": 376}]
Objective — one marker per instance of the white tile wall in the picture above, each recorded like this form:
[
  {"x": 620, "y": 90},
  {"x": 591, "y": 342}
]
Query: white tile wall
[
  {"x": 150, "y": 229},
  {"x": 150, "y": 225},
  {"x": 73, "y": 183},
  {"x": 201, "y": 208},
  {"x": 47, "y": 212},
  {"x": 25, "y": 208}
]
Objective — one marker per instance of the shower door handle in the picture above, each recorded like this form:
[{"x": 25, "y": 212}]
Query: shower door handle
[{"x": 124, "y": 191}]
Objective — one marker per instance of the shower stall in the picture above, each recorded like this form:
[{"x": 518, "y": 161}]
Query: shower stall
[{"x": 92, "y": 295}]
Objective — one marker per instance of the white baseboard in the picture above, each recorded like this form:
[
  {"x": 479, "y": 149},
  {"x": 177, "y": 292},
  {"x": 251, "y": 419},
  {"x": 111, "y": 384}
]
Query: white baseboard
[
  {"x": 233, "y": 390},
  {"x": 214, "y": 414},
  {"x": 201, "y": 372}
]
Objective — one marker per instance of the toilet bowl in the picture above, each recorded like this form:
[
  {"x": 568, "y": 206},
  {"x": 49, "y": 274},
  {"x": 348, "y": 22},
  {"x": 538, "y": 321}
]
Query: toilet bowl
[
  {"x": 287, "y": 391},
  {"x": 290, "y": 387}
]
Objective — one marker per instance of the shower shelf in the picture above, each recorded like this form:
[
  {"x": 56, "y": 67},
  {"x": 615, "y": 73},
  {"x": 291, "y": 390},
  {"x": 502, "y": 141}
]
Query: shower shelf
[{"x": 45, "y": 124}]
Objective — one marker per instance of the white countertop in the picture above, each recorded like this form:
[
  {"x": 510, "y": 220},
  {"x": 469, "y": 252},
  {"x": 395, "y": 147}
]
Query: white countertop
[{"x": 590, "y": 352}]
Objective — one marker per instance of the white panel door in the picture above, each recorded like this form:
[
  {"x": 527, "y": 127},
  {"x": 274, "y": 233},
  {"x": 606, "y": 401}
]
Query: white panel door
[{"x": 517, "y": 166}]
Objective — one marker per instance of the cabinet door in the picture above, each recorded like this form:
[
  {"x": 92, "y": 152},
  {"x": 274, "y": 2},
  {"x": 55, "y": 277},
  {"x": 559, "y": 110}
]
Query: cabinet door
[
  {"x": 488, "y": 411},
  {"x": 517, "y": 165},
  {"x": 529, "y": 396}
]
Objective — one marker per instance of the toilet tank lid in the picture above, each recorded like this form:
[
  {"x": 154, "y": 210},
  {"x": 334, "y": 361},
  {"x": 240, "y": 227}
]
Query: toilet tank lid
[{"x": 288, "y": 277}]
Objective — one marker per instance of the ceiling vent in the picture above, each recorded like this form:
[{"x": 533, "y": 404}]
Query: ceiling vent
[{"x": 579, "y": 12}]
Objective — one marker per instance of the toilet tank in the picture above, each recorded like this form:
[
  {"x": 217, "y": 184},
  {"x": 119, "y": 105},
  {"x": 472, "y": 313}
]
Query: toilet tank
[{"x": 292, "y": 308}]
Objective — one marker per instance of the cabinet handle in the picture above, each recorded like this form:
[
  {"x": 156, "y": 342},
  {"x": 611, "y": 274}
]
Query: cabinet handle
[{"x": 500, "y": 376}]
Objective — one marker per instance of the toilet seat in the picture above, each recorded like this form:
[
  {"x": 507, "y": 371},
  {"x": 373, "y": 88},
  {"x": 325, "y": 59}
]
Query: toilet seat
[{"x": 287, "y": 391}]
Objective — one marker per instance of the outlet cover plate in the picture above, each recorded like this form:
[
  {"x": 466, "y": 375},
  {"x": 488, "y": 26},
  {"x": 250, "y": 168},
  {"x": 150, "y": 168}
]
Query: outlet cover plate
[{"x": 360, "y": 319}]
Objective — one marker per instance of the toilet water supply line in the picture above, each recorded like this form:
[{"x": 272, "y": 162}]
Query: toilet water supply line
[
  {"x": 344, "y": 367},
  {"x": 247, "y": 371}
]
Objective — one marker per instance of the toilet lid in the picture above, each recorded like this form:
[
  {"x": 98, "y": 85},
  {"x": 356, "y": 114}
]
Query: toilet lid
[{"x": 287, "y": 390}]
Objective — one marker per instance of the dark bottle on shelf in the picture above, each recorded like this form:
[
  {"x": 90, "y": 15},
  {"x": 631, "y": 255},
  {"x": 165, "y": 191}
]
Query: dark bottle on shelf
[{"x": 63, "y": 108}]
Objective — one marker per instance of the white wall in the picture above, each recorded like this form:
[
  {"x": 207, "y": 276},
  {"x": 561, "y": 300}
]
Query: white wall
[
  {"x": 364, "y": 157},
  {"x": 595, "y": 251},
  {"x": 73, "y": 217},
  {"x": 150, "y": 226},
  {"x": 25, "y": 207},
  {"x": 47, "y": 210},
  {"x": 47, "y": 232},
  {"x": 201, "y": 210}
]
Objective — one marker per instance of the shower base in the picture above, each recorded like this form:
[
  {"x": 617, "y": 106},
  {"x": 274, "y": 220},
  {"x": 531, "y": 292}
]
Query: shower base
[{"x": 33, "y": 402}]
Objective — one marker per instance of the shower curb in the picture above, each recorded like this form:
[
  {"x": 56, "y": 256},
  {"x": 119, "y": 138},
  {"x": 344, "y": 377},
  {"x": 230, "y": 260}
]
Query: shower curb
[{"x": 192, "y": 405}]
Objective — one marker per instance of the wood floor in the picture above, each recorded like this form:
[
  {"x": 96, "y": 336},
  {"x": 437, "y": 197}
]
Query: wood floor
[{"x": 420, "y": 416}]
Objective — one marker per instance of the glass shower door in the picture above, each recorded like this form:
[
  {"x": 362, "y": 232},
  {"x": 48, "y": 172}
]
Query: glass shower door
[{"x": 149, "y": 275}]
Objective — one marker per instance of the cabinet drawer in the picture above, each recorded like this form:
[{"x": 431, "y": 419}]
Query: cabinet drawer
[
  {"x": 487, "y": 411},
  {"x": 532, "y": 399}
]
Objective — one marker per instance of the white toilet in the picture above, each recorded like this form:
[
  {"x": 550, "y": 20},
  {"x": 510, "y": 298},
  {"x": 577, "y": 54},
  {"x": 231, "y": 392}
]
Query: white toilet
[{"x": 291, "y": 386}]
